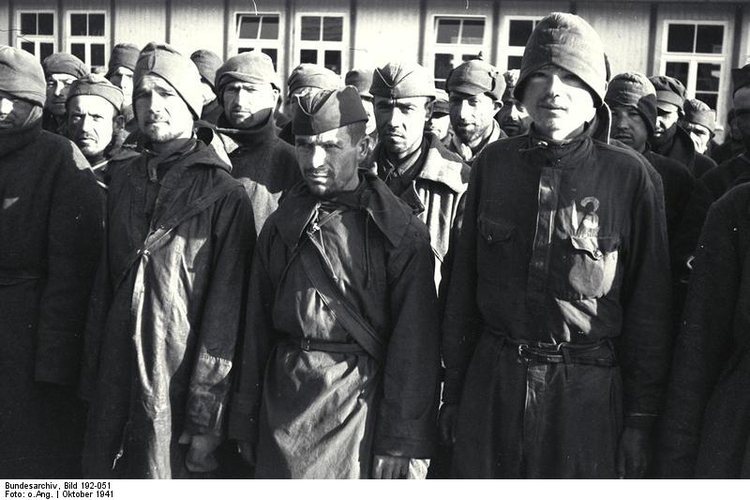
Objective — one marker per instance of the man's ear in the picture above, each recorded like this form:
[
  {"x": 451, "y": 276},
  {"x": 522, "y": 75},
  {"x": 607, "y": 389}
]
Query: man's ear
[
  {"x": 363, "y": 148},
  {"x": 429, "y": 107},
  {"x": 498, "y": 106},
  {"x": 118, "y": 124}
]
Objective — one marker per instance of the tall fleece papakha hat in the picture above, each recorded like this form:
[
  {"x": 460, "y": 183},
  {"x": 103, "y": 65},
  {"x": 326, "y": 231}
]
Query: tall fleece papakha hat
[
  {"x": 361, "y": 79},
  {"x": 511, "y": 80},
  {"x": 476, "y": 77},
  {"x": 164, "y": 61},
  {"x": 250, "y": 67},
  {"x": 312, "y": 75},
  {"x": 399, "y": 79},
  {"x": 669, "y": 91},
  {"x": 634, "y": 90},
  {"x": 68, "y": 64},
  {"x": 698, "y": 112},
  {"x": 124, "y": 55},
  {"x": 99, "y": 86},
  {"x": 740, "y": 78},
  {"x": 21, "y": 75},
  {"x": 208, "y": 63},
  {"x": 326, "y": 110},
  {"x": 569, "y": 42}
]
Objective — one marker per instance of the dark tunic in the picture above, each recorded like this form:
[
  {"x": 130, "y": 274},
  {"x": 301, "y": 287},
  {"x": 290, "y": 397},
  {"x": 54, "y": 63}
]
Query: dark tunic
[
  {"x": 706, "y": 423},
  {"x": 161, "y": 332},
  {"x": 50, "y": 237},
  {"x": 561, "y": 244},
  {"x": 320, "y": 414},
  {"x": 682, "y": 149}
]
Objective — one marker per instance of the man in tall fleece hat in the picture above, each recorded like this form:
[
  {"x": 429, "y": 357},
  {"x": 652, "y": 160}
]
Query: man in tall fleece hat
[
  {"x": 51, "y": 231},
  {"x": 340, "y": 363},
  {"x": 556, "y": 328},
  {"x": 512, "y": 117},
  {"x": 167, "y": 305},
  {"x": 414, "y": 164},
  {"x": 60, "y": 70},
  {"x": 249, "y": 89}
]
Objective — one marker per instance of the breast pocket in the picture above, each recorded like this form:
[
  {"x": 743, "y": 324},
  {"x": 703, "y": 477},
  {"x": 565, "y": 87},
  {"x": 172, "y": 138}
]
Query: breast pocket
[
  {"x": 587, "y": 267},
  {"x": 497, "y": 249}
]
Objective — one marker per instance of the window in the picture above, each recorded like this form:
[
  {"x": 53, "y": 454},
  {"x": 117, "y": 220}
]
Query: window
[
  {"x": 36, "y": 33},
  {"x": 87, "y": 37},
  {"x": 519, "y": 30},
  {"x": 457, "y": 39},
  {"x": 321, "y": 41},
  {"x": 697, "y": 55},
  {"x": 259, "y": 32}
]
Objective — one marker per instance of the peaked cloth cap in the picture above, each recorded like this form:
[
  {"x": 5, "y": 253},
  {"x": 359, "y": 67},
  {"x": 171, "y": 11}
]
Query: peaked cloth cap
[
  {"x": 740, "y": 78},
  {"x": 634, "y": 90},
  {"x": 207, "y": 63},
  {"x": 699, "y": 113},
  {"x": 99, "y": 86},
  {"x": 312, "y": 75},
  {"x": 61, "y": 62},
  {"x": 476, "y": 77},
  {"x": 326, "y": 110},
  {"x": 570, "y": 43},
  {"x": 21, "y": 75},
  {"x": 441, "y": 106},
  {"x": 124, "y": 55},
  {"x": 399, "y": 79},
  {"x": 179, "y": 71},
  {"x": 250, "y": 67},
  {"x": 669, "y": 91},
  {"x": 361, "y": 79}
]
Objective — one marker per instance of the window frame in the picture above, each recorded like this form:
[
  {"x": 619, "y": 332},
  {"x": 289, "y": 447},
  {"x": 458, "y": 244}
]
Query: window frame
[
  {"x": 259, "y": 43},
  {"x": 87, "y": 40},
  {"x": 322, "y": 46},
  {"x": 513, "y": 50},
  {"x": 36, "y": 39},
  {"x": 457, "y": 50}
]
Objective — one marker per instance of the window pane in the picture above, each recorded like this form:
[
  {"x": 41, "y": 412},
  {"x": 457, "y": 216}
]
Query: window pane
[
  {"x": 443, "y": 65},
  {"x": 710, "y": 39},
  {"x": 680, "y": 38},
  {"x": 520, "y": 31},
  {"x": 447, "y": 31},
  {"x": 678, "y": 70},
  {"x": 710, "y": 99},
  {"x": 28, "y": 47},
  {"x": 46, "y": 24},
  {"x": 249, "y": 27},
  {"x": 78, "y": 25},
  {"x": 28, "y": 24},
  {"x": 97, "y": 54},
  {"x": 333, "y": 61},
  {"x": 273, "y": 54},
  {"x": 514, "y": 62},
  {"x": 333, "y": 29},
  {"x": 270, "y": 28},
  {"x": 46, "y": 49},
  {"x": 473, "y": 32},
  {"x": 78, "y": 50},
  {"x": 310, "y": 28},
  {"x": 708, "y": 77},
  {"x": 96, "y": 24},
  {"x": 308, "y": 56}
]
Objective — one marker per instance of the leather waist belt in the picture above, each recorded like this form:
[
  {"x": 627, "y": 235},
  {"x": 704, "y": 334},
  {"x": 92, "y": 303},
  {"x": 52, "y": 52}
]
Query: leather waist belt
[
  {"x": 599, "y": 353},
  {"x": 308, "y": 344}
]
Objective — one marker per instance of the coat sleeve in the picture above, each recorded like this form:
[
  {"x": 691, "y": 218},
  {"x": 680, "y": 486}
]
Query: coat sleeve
[
  {"x": 73, "y": 244},
  {"x": 646, "y": 298},
  {"x": 210, "y": 382},
  {"x": 461, "y": 318},
  {"x": 407, "y": 415},
  {"x": 704, "y": 343}
]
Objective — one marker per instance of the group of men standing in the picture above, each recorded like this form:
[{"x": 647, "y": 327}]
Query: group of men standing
[{"x": 218, "y": 281}]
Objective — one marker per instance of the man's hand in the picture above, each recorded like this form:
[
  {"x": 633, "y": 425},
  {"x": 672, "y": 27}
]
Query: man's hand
[
  {"x": 247, "y": 452},
  {"x": 632, "y": 454},
  {"x": 200, "y": 456},
  {"x": 388, "y": 467},
  {"x": 447, "y": 423}
]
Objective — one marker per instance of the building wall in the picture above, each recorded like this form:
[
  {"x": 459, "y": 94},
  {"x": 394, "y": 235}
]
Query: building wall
[
  {"x": 384, "y": 29},
  {"x": 140, "y": 21},
  {"x": 197, "y": 24}
]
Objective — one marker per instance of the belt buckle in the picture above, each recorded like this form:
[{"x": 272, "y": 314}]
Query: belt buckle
[{"x": 305, "y": 343}]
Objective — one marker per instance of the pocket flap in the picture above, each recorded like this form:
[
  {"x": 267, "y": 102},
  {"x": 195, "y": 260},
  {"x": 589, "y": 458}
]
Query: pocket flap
[
  {"x": 495, "y": 230},
  {"x": 595, "y": 246}
]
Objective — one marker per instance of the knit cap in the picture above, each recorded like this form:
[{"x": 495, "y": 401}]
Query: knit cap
[
  {"x": 99, "y": 86},
  {"x": 251, "y": 67},
  {"x": 700, "y": 113},
  {"x": 634, "y": 90},
  {"x": 61, "y": 62},
  {"x": 399, "y": 79},
  {"x": 207, "y": 63},
  {"x": 21, "y": 75},
  {"x": 124, "y": 55},
  {"x": 668, "y": 91},
  {"x": 511, "y": 79},
  {"x": 326, "y": 110},
  {"x": 179, "y": 71},
  {"x": 740, "y": 78},
  {"x": 312, "y": 75},
  {"x": 569, "y": 42},
  {"x": 362, "y": 79},
  {"x": 476, "y": 77},
  {"x": 441, "y": 107}
]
